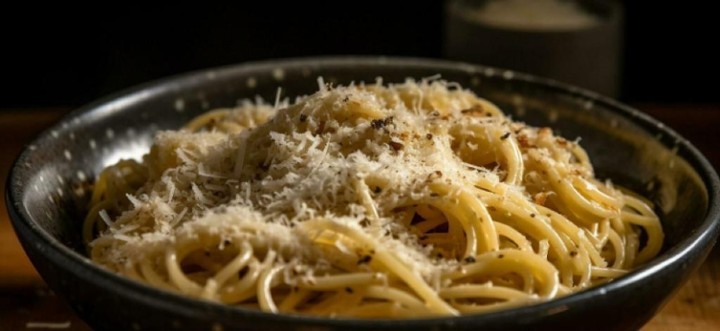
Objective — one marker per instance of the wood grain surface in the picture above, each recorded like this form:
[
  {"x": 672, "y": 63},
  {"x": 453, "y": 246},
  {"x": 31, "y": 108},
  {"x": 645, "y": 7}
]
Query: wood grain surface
[{"x": 26, "y": 302}]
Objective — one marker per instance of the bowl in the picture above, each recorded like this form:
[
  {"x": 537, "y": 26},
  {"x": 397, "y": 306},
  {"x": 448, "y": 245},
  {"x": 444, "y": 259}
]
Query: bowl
[{"x": 48, "y": 189}]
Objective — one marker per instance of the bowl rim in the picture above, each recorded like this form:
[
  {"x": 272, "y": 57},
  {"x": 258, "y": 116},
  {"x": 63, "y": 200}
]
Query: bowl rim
[{"x": 83, "y": 268}]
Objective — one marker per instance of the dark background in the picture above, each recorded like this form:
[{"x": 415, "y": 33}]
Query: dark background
[{"x": 60, "y": 57}]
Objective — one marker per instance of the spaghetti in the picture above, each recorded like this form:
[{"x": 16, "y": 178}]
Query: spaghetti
[{"x": 367, "y": 201}]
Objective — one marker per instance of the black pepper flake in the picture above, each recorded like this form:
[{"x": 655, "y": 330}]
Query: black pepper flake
[
  {"x": 573, "y": 253},
  {"x": 501, "y": 256},
  {"x": 505, "y": 136},
  {"x": 364, "y": 259},
  {"x": 434, "y": 195},
  {"x": 532, "y": 215},
  {"x": 381, "y": 123},
  {"x": 437, "y": 174},
  {"x": 303, "y": 117},
  {"x": 469, "y": 259},
  {"x": 377, "y": 124},
  {"x": 396, "y": 145},
  {"x": 429, "y": 136},
  {"x": 435, "y": 113},
  {"x": 488, "y": 114},
  {"x": 349, "y": 289},
  {"x": 226, "y": 242},
  {"x": 440, "y": 255},
  {"x": 377, "y": 189}
]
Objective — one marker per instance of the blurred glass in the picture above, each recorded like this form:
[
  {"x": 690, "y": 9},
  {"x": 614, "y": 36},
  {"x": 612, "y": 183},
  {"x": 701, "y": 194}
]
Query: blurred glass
[{"x": 575, "y": 41}]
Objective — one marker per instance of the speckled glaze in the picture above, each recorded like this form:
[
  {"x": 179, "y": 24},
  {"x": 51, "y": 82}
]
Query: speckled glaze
[{"x": 47, "y": 192}]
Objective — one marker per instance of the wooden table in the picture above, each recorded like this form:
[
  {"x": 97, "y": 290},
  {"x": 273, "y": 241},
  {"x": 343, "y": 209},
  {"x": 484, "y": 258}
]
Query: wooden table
[{"x": 25, "y": 301}]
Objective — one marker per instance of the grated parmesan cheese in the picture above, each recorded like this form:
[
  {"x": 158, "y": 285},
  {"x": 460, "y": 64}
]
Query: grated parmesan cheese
[{"x": 356, "y": 154}]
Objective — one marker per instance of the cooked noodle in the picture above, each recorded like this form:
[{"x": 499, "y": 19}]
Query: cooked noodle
[{"x": 400, "y": 201}]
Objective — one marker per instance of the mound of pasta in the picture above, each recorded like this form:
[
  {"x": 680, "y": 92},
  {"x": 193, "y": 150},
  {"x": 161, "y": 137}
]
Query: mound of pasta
[{"x": 378, "y": 201}]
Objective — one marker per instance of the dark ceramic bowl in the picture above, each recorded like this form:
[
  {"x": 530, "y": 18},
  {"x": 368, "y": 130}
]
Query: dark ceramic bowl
[{"x": 48, "y": 189}]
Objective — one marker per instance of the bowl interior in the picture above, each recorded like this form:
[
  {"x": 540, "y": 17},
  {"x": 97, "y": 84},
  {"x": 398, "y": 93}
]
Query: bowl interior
[{"x": 50, "y": 184}]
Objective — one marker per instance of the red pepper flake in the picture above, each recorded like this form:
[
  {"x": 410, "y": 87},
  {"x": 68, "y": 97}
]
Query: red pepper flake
[
  {"x": 540, "y": 198},
  {"x": 321, "y": 128},
  {"x": 396, "y": 145}
]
